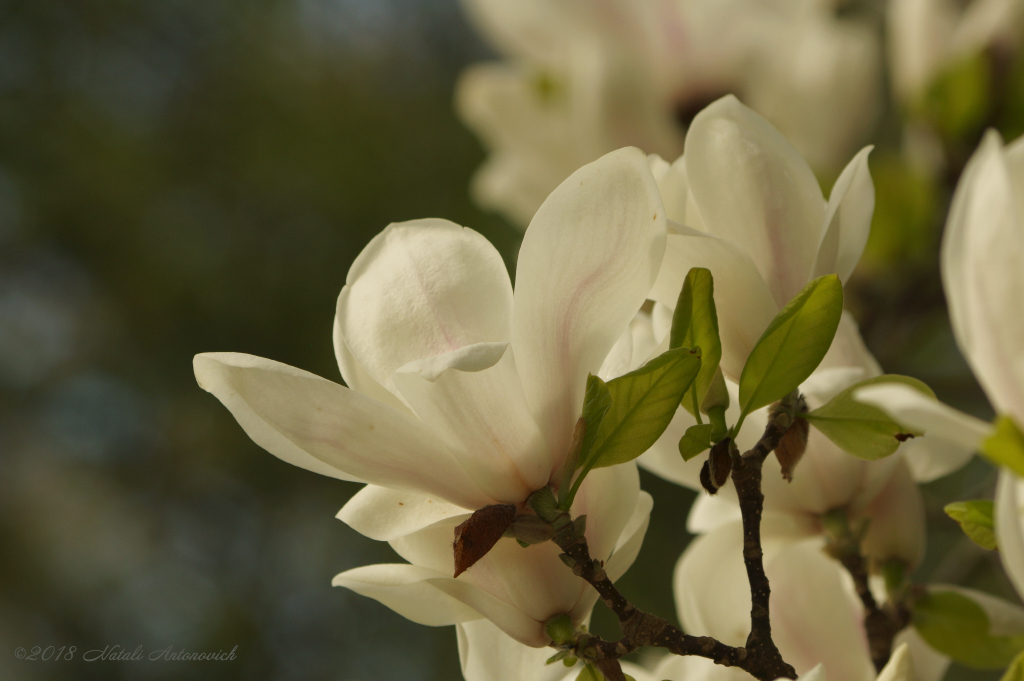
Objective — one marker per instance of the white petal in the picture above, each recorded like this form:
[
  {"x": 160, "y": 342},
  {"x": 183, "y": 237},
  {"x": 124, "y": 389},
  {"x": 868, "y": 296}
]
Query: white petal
[
  {"x": 609, "y": 497},
  {"x": 488, "y": 654},
  {"x": 428, "y": 597},
  {"x": 929, "y": 664},
  {"x": 815, "y": 619},
  {"x": 744, "y": 304},
  {"x": 1009, "y": 528},
  {"x": 848, "y": 349},
  {"x": 990, "y": 231},
  {"x": 694, "y": 668},
  {"x": 897, "y": 522},
  {"x": 384, "y": 514},
  {"x": 631, "y": 538},
  {"x": 900, "y": 666},
  {"x": 586, "y": 264},
  {"x": 753, "y": 188},
  {"x": 327, "y": 428},
  {"x": 710, "y": 512},
  {"x": 847, "y": 220},
  {"x": 472, "y": 399},
  {"x": 357, "y": 378},
  {"x": 816, "y": 673},
  {"x": 408, "y": 590},
  {"x": 421, "y": 289},
  {"x": 931, "y": 457},
  {"x": 914, "y": 409}
]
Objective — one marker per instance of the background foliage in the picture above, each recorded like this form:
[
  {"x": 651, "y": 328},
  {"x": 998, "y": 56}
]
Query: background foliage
[{"x": 180, "y": 176}]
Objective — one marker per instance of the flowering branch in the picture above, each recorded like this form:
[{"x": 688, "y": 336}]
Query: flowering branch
[
  {"x": 760, "y": 657},
  {"x": 881, "y": 622}
]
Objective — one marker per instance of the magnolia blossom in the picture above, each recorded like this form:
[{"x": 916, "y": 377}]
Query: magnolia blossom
[
  {"x": 927, "y": 36},
  {"x": 464, "y": 393},
  {"x": 582, "y": 78},
  {"x": 982, "y": 252},
  {"x": 743, "y": 203}
]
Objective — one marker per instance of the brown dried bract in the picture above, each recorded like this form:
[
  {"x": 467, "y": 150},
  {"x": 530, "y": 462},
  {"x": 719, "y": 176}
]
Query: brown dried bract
[
  {"x": 478, "y": 535},
  {"x": 717, "y": 468},
  {"x": 792, "y": 446}
]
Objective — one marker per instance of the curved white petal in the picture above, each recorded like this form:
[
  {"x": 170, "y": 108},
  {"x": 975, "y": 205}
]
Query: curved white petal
[
  {"x": 428, "y": 597},
  {"x": 989, "y": 231},
  {"x": 900, "y": 666},
  {"x": 929, "y": 664},
  {"x": 324, "y": 427},
  {"x": 586, "y": 264},
  {"x": 1009, "y": 526},
  {"x": 753, "y": 188},
  {"x": 897, "y": 522},
  {"x": 357, "y": 378},
  {"x": 931, "y": 457},
  {"x": 815, "y": 617},
  {"x": 694, "y": 668},
  {"x": 409, "y": 591},
  {"x": 848, "y": 349},
  {"x": 631, "y": 538},
  {"x": 744, "y": 304},
  {"x": 472, "y": 399},
  {"x": 421, "y": 289},
  {"x": 847, "y": 220},
  {"x": 710, "y": 512},
  {"x": 384, "y": 514},
  {"x": 917, "y": 410},
  {"x": 488, "y": 654}
]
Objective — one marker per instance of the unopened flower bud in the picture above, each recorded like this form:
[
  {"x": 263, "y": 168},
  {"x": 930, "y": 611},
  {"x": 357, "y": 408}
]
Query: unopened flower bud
[
  {"x": 478, "y": 535},
  {"x": 560, "y": 629},
  {"x": 792, "y": 446},
  {"x": 543, "y": 503}
]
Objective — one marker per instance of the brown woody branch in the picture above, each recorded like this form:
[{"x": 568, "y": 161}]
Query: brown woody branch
[{"x": 759, "y": 657}]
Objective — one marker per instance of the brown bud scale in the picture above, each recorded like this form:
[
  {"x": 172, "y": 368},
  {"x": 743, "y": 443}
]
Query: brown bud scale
[{"x": 478, "y": 535}]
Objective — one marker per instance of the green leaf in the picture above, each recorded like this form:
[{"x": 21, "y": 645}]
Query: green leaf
[
  {"x": 696, "y": 440},
  {"x": 589, "y": 673},
  {"x": 597, "y": 400},
  {"x": 793, "y": 344},
  {"x": 695, "y": 325},
  {"x": 860, "y": 429},
  {"x": 956, "y": 626},
  {"x": 1015, "y": 672},
  {"x": 643, "y": 403},
  {"x": 1005, "y": 447},
  {"x": 976, "y": 520}
]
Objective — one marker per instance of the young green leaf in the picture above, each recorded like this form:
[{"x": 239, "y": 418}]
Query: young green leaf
[
  {"x": 696, "y": 440},
  {"x": 642, "y": 405},
  {"x": 860, "y": 429},
  {"x": 1005, "y": 447},
  {"x": 695, "y": 325},
  {"x": 596, "y": 402},
  {"x": 589, "y": 673},
  {"x": 976, "y": 519},
  {"x": 793, "y": 345},
  {"x": 956, "y": 626}
]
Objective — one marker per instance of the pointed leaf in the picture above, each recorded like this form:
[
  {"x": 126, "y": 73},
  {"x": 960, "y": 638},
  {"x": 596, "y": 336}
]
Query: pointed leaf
[
  {"x": 589, "y": 673},
  {"x": 793, "y": 345},
  {"x": 976, "y": 518},
  {"x": 695, "y": 325},
  {"x": 1005, "y": 447},
  {"x": 643, "y": 403},
  {"x": 863, "y": 430},
  {"x": 956, "y": 626},
  {"x": 1015, "y": 672},
  {"x": 696, "y": 440}
]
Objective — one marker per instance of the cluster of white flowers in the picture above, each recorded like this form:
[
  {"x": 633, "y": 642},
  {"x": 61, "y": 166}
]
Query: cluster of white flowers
[{"x": 464, "y": 392}]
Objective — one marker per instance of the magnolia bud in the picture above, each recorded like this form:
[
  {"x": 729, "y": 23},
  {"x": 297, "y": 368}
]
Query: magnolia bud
[
  {"x": 791, "y": 447},
  {"x": 716, "y": 469},
  {"x": 560, "y": 630},
  {"x": 478, "y": 535},
  {"x": 544, "y": 504}
]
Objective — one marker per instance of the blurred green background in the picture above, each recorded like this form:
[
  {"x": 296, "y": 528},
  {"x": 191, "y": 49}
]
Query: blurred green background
[{"x": 181, "y": 176}]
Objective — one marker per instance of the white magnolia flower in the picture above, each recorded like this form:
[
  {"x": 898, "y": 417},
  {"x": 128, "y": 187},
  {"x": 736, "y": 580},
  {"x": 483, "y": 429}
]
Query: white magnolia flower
[
  {"x": 817, "y": 618},
  {"x": 463, "y": 393},
  {"x": 585, "y": 77},
  {"x": 982, "y": 252},
  {"x": 928, "y": 36},
  {"x": 744, "y": 204}
]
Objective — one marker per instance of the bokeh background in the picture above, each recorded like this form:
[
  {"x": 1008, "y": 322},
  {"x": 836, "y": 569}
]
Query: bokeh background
[{"x": 180, "y": 176}]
